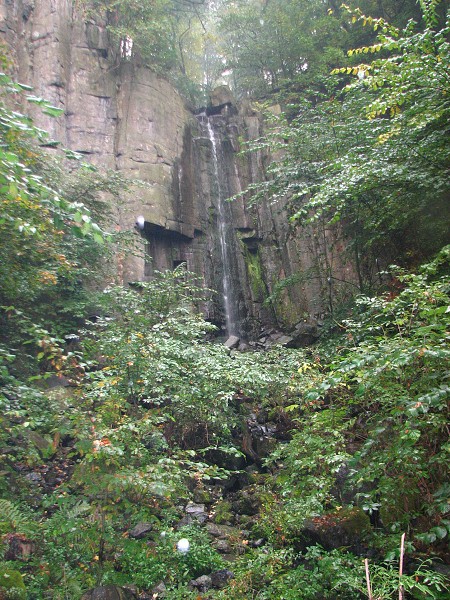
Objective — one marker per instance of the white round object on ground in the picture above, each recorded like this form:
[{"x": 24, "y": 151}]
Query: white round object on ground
[{"x": 183, "y": 545}]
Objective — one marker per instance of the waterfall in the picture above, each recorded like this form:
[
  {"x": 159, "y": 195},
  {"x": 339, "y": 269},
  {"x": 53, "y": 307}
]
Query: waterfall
[{"x": 225, "y": 236}]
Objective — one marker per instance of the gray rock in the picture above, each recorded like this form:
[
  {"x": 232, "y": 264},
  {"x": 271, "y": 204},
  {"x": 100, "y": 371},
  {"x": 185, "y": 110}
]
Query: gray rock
[
  {"x": 232, "y": 342},
  {"x": 55, "y": 381},
  {"x": 348, "y": 527},
  {"x": 243, "y": 347},
  {"x": 222, "y": 546},
  {"x": 159, "y": 590},
  {"x": 109, "y": 592},
  {"x": 284, "y": 340},
  {"x": 304, "y": 334},
  {"x": 213, "y": 530},
  {"x": 202, "y": 583},
  {"x": 196, "y": 512},
  {"x": 221, "y": 95},
  {"x": 194, "y": 509},
  {"x": 133, "y": 120},
  {"x": 35, "y": 478},
  {"x": 140, "y": 530},
  {"x": 220, "y": 579}
]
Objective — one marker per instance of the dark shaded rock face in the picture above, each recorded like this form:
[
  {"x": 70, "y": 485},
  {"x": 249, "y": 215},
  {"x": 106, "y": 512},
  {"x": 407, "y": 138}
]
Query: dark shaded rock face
[
  {"x": 109, "y": 592},
  {"x": 124, "y": 117},
  {"x": 346, "y": 528},
  {"x": 140, "y": 530},
  {"x": 220, "y": 579}
]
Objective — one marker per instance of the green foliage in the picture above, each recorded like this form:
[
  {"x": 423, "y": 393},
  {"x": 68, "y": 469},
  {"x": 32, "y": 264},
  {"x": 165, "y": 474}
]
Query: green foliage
[
  {"x": 256, "y": 571},
  {"x": 373, "y": 158},
  {"x": 15, "y": 519},
  {"x": 50, "y": 243},
  {"x": 164, "y": 563},
  {"x": 424, "y": 582},
  {"x": 314, "y": 456},
  {"x": 396, "y": 369},
  {"x": 157, "y": 410},
  {"x": 165, "y": 35},
  {"x": 267, "y": 45},
  {"x": 34, "y": 217},
  {"x": 332, "y": 575},
  {"x": 12, "y": 586}
]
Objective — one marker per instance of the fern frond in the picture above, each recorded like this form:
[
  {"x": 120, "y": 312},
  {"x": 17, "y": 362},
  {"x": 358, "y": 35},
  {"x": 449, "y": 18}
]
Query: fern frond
[{"x": 13, "y": 519}]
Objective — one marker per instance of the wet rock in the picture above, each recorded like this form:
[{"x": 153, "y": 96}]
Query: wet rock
[
  {"x": 202, "y": 583},
  {"x": 284, "y": 340},
  {"x": 109, "y": 592},
  {"x": 159, "y": 590},
  {"x": 263, "y": 441},
  {"x": 304, "y": 334},
  {"x": 34, "y": 478},
  {"x": 222, "y": 546},
  {"x": 257, "y": 543},
  {"x": 232, "y": 342},
  {"x": 196, "y": 512},
  {"x": 347, "y": 527},
  {"x": 264, "y": 445},
  {"x": 220, "y": 579},
  {"x": 140, "y": 530}
]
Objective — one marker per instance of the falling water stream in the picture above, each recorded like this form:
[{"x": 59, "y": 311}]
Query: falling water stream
[{"x": 224, "y": 232}]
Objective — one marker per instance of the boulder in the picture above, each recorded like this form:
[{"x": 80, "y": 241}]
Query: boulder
[
  {"x": 44, "y": 444},
  {"x": 18, "y": 547},
  {"x": 196, "y": 512},
  {"x": 221, "y": 95},
  {"x": 220, "y": 579},
  {"x": 304, "y": 334},
  {"x": 109, "y": 592},
  {"x": 284, "y": 340},
  {"x": 159, "y": 590},
  {"x": 232, "y": 342},
  {"x": 140, "y": 530},
  {"x": 347, "y": 527},
  {"x": 202, "y": 583},
  {"x": 222, "y": 546}
]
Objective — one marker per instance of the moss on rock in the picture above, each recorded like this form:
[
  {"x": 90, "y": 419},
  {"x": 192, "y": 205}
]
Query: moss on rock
[{"x": 12, "y": 586}]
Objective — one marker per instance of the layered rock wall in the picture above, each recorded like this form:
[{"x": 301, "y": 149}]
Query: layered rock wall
[{"x": 125, "y": 117}]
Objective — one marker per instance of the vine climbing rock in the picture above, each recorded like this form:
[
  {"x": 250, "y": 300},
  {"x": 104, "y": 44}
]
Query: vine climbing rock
[{"x": 109, "y": 592}]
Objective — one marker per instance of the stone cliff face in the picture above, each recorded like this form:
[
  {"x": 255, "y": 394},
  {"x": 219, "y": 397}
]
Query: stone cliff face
[{"x": 122, "y": 116}]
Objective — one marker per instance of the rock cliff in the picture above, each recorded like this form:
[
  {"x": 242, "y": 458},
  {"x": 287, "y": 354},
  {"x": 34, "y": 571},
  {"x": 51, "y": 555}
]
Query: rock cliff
[{"x": 122, "y": 116}]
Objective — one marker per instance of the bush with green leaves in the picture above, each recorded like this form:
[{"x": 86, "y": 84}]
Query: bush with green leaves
[
  {"x": 368, "y": 150},
  {"x": 12, "y": 586},
  {"x": 305, "y": 471},
  {"x": 391, "y": 378},
  {"x": 149, "y": 565}
]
